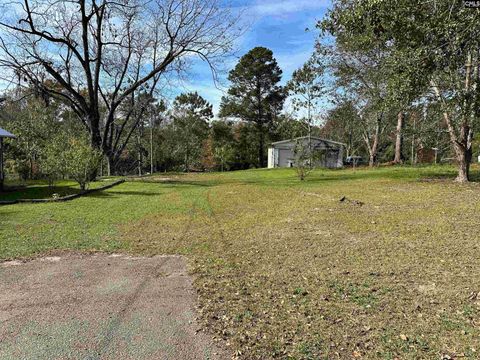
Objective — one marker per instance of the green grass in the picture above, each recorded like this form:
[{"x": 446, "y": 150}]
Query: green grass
[
  {"x": 285, "y": 270},
  {"x": 39, "y": 189}
]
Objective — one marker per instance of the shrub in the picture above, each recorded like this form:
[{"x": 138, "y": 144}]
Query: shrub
[
  {"x": 302, "y": 163},
  {"x": 71, "y": 157},
  {"x": 82, "y": 162}
]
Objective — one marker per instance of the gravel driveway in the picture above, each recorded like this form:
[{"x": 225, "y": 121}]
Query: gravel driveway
[{"x": 100, "y": 307}]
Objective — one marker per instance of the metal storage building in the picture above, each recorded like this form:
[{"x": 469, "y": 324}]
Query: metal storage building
[{"x": 281, "y": 153}]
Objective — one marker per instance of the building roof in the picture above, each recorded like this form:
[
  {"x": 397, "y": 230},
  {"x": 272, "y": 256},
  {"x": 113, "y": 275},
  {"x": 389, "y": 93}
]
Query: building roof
[
  {"x": 6, "y": 134},
  {"x": 306, "y": 137}
]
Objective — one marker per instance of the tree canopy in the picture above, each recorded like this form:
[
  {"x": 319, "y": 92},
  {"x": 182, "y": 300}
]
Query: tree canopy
[
  {"x": 255, "y": 94},
  {"x": 429, "y": 52},
  {"x": 95, "y": 55}
]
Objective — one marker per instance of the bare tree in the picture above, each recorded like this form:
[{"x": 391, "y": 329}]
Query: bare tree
[{"x": 96, "y": 55}]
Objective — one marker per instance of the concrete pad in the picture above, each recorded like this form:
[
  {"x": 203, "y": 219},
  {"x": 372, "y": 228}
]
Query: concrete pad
[{"x": 100, "y": 307}]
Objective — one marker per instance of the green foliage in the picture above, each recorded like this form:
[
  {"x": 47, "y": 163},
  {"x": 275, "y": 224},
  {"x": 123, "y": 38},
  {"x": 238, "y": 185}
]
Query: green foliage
[
  {"x": 255, "y": 94},
  {"x": 344, "y": 125},
  {"x": 222, "y": 132},
  {"x": 192, "y": 105},
  {"x": 70, "y": 157},
  {"x": 302, "y": 156},
  {"x": 48, "y": 145},
  {"x": 53, "y": 160},
  {"x": 246, "y": 149},
  {"x": 361, "y": 82},
  {"x": 34, "y": 124},
  {"x": 191, "y": 114},
  {"x": 81, "y": 162},
  {"x": 142, "y": 115},
  {"x": 286, "y": 126},
  {"x": 422, "y": 52},
  {"x": 224, "y": 155},
  {"x": 307, "y": 88},
  {"x": 224, "y": 143},
  {"x": 44, "y": 132}
]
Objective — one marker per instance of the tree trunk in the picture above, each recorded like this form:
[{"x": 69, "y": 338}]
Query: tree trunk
[
  {"x": 310, "y": 152},
  {"x": 463, "y": 167},
  {"x": 413, "y": 160},
  {"x": 139, "y": 152},
  {"x": 261, "y": 144},
  {"x": 373, "y": 150},
  {"x": 399, "y": 139},
  {"x": 372, "y": 147},
  {"x": 462, "y": 143},
  {"x": 464, "y": 153},
  {"x": 111, "y": 161},
  {"x": 151, "y": 148},
  {"x": 95, "y": 138},
  {"x": 309, "y": 116},
  {"x": 94, "y": 127}
]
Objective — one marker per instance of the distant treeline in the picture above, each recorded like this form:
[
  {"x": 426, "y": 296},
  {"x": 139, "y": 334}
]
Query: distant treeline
[{"x": 395, "y": 81}]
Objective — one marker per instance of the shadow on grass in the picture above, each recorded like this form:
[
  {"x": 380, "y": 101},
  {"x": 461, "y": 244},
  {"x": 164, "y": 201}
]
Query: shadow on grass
[
  {"x": 104, "y": 194},
  {"x": 6, "y": 214},
  {"x": 475, "y": 177},
  {"x": 38, "y": 192},
  {"x": 180, "y": 182},
  {"x": 271, "y": 178}
]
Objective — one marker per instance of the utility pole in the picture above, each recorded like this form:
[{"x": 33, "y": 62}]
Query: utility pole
[
  {"x": 309, "y": 131},
  {"x": 151, "y": 145},
  {"x": 436, "y": 154},
  {"x": 413, "y": 140},
  {"x": 139, "y": 154}
]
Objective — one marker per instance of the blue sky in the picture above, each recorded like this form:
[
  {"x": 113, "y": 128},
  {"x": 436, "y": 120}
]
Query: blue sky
[{"x": 276, "y": 24}]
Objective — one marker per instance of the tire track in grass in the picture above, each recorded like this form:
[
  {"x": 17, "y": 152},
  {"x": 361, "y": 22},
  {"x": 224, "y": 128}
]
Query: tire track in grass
[
  {"x": 217, "y": 224},
  {"x": 194, "y": 210}
]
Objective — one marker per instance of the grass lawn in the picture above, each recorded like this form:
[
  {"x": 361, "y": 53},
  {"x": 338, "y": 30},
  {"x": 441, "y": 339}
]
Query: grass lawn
[
  {"x": 39, "y": 189},
  {"x": 286, "y": 270}
]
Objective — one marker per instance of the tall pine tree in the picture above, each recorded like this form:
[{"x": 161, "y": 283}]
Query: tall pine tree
[{"x": 255, "y": 94}]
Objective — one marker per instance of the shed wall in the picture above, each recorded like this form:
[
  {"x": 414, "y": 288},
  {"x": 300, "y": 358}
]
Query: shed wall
[{"x": 281, "y": 155}]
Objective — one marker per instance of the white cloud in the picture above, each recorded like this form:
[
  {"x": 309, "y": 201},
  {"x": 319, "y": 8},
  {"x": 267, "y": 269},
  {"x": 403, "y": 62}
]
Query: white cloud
[
  {"x": 284, "y": 7},
  {"x": 291, "y": 53},
  {"x": 291, "y": 61},
  {"x": 288, "y": 62}
]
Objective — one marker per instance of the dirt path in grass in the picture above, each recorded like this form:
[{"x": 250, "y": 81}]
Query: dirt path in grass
[{"x": 100, "y": 307}]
